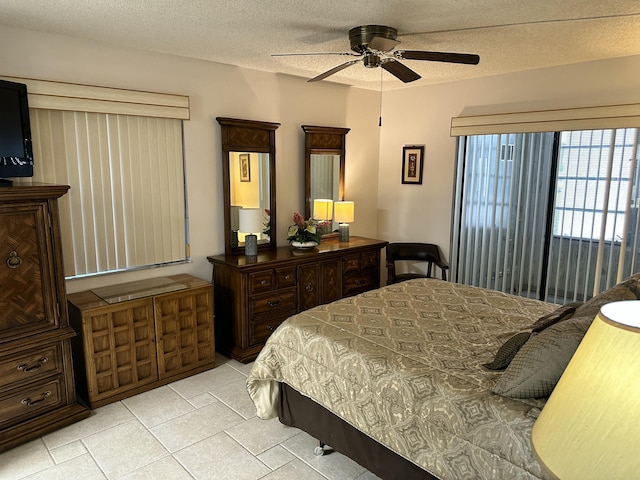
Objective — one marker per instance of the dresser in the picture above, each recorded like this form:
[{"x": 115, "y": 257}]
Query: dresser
[
  {"x": 253, "y": 295},
  {"x": 136, "y": 336},
  {"x": 37, "y": 390}
]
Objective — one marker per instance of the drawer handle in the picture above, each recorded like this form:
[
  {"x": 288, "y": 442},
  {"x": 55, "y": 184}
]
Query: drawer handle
[
  {"x": 14, "y": 261},
  {"x": 309, "y": 287},
  {"x": 353, "y": 264},
  {"x": 271, "y": 328},
  {"x": 32, "y": 403},
  {"x": 273, "y": 304},
  {"x": 27, "y": 369},
  {"x": 263, "y": 282},
  {"x": 287, "y": 277}
]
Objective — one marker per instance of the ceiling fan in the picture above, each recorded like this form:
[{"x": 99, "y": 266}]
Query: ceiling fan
[{"x": 373, "y": 45}]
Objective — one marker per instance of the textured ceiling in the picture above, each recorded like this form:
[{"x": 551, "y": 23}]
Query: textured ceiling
[{"x": 508, "y": 35}]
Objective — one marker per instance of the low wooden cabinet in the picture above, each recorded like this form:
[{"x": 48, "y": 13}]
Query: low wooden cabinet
[
  {"x": 37, "y": 390},
  {"x": 129, "y": 346},
  {"x": 253, "y": 296}
]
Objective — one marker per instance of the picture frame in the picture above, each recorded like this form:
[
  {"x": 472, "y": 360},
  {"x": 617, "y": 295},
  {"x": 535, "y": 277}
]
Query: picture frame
[
  {"x": 245, "y": 167},
  {"x": 412, "y": 164}
]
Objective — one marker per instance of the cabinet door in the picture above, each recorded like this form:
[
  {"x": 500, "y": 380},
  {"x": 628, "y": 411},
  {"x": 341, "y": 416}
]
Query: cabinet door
[
  {"x": 119, "y": 348},
  {"x": 28, "y": 304},
  {"x": 331, "y": 281},
  {"x": 308, "y": 286},
  {"x": 184, "y": 330}
]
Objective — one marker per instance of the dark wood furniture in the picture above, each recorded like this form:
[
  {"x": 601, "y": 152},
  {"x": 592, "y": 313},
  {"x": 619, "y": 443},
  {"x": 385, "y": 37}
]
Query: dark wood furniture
[
  {"x": 428, "y": 253},
  {"x": 249, "y": 137},
  {"x": 253, "y": 296},
  {"x": 153, "y": 336},
  {"x": 37, "y": 390},
  {"x": 319, "y": 143}
]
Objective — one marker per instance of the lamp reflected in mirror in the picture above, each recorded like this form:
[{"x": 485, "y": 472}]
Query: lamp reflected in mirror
[
  {"x": 250, "y": 223},
  {"x": 323, "y": 213}
]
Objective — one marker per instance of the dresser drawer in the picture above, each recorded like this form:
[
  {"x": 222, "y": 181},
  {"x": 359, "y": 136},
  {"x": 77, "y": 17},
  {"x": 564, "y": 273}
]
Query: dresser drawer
[
  {"x": 29, "y": 366},
  {"x": 362, "y": 282},
  {"x": 261, "y": 281},
  {"x": 21, "y": 404},
  {"x": 273, "y": 302},
  {"x": 351, "y": 263},
  {"x": 286, "y": 277},
  {"x": 259, "y": 330}
]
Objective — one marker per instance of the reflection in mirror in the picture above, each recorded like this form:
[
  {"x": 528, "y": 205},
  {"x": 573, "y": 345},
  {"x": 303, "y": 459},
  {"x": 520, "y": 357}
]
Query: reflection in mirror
[
  {"x": 249, "y": 188},
  {"x": 324, "y": 185},
  {"x": 324, "y": 167},
  {"x": 248, "y": 180}
]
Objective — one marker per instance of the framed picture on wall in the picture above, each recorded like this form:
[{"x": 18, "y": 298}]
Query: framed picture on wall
[
  {"x": 245, "y": 168},
  {"x": 412, "y": 164}
]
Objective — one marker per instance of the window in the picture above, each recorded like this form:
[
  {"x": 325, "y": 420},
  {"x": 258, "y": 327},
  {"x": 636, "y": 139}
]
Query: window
[
  {"x": 594, "y": 175},
  {"x": 121, "y": 151},
  {"x": 555, "y": 219}
]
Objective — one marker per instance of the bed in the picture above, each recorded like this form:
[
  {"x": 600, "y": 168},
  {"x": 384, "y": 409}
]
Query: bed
[{"x": 396, "y": 379}]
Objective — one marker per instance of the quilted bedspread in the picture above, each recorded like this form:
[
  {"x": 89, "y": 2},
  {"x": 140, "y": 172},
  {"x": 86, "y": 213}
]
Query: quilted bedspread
[{"x": 403, "y": 364}]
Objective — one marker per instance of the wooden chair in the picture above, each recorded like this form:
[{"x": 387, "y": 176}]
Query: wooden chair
[{"x": 428, "y": 253}]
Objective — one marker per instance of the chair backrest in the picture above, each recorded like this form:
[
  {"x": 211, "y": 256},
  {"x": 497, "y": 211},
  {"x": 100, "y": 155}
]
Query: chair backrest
[{"x": 417, "y": 252}]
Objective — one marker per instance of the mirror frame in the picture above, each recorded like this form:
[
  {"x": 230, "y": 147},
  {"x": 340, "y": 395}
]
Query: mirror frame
[
  {"x": 250, "y": 136},
  {"x": 322, "y": 141}
]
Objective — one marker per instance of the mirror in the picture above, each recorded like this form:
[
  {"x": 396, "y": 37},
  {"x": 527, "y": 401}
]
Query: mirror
[
  {"x": 324, "y": 165},
  {"x": 248, "y": 174}
]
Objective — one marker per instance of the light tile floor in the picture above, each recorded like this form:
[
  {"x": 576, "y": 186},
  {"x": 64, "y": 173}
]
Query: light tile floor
[{"x": 203, "y": 427}]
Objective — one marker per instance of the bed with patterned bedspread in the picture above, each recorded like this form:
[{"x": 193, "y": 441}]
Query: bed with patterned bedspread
[{"x": 404, "y": 364}]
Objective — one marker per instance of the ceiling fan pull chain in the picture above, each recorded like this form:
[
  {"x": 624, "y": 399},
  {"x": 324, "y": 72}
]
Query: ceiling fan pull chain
[{"x": 380, "y": 117}]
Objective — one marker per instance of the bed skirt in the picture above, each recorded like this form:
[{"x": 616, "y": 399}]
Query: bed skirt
[{"x": 296, "y": 410}]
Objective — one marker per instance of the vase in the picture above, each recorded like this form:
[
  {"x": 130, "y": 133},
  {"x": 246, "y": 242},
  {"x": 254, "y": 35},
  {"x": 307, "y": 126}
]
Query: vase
[{"x": 304, "y": 245}]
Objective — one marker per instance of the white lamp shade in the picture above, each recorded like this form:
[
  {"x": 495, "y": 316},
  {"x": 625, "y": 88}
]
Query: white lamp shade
[
  {"x": 251, "y": 220},
  {"x": 590, "y": 426},
  {"x": 344, "y": 212},
  {"x": 322, "y": 209}
]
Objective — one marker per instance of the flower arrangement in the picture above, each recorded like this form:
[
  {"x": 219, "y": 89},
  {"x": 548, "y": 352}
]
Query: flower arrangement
[{"x": 303, "y": 230}]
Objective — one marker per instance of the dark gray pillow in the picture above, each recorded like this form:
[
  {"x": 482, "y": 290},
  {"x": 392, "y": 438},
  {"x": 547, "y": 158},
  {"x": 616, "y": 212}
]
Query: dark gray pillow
[
  {"x": 538, "y": 365},
  {"x": 509, "y": 349}
]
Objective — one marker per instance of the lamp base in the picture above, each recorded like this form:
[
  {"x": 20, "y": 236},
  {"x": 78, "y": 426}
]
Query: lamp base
[
  {"x": 251, "y": 245},
  {"x": 343, "y": 230}
]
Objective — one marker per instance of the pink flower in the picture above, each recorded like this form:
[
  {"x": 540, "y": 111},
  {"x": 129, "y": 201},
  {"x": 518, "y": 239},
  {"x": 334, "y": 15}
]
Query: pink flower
[{"x": 298, "y": 219}]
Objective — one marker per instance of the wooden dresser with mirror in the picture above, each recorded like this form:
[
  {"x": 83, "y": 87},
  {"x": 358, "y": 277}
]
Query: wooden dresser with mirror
[
  {"x": 253, "y": 295},
  {"x": 37, "y": 389}
]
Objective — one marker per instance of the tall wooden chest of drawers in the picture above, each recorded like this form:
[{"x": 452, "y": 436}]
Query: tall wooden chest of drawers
[
  {"x": 143, "y": 335},
  {"x": 37, "y": 390},
  {"x": 254, "y": 295}
]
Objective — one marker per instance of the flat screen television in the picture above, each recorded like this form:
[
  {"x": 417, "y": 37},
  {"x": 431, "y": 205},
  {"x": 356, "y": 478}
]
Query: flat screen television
[{"x": 16, "y": 153}]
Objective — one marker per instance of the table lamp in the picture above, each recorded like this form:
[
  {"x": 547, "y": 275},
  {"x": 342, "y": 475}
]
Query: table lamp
[
  {"x": 250, "y": 223},
  {"x": 590, "y": 426},
  {"x": 323, "y": 212},
  {"x": 343, "y": 214}
]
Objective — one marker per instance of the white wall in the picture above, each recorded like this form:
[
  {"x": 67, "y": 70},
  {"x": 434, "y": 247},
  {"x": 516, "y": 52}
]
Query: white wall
[
  {"x": 216, "y": 90},
  {"x": 422, "y": 115}
]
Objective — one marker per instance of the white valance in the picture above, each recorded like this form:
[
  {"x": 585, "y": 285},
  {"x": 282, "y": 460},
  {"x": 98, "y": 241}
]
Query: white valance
[
  {"x": 50, "y": 95},
  {"x": 564, "y": 119}
]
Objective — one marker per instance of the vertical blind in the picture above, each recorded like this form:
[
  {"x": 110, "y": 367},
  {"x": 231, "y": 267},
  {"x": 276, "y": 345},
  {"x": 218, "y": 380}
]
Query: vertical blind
[
  {"x": 126, "y": 205},
  {"x": 557, "y": 219}
]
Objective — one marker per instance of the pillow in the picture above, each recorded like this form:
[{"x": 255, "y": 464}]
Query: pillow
[
  {"x": 509, "y": 349},
  {"x": 538, "y": 365}
]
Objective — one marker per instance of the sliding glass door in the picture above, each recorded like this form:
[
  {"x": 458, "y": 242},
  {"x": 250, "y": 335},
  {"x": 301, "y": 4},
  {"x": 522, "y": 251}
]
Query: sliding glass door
[{"x": 538, "y": 214}]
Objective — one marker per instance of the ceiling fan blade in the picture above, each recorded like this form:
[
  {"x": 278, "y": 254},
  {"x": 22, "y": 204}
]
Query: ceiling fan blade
[
  {"x": 349, "y": 54},
  {"x": 382, "y": 44},
  {"x": 400, "y": 71},
  {"x": 333, "y": 70},
  {"x": 466, "y": 58}
]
